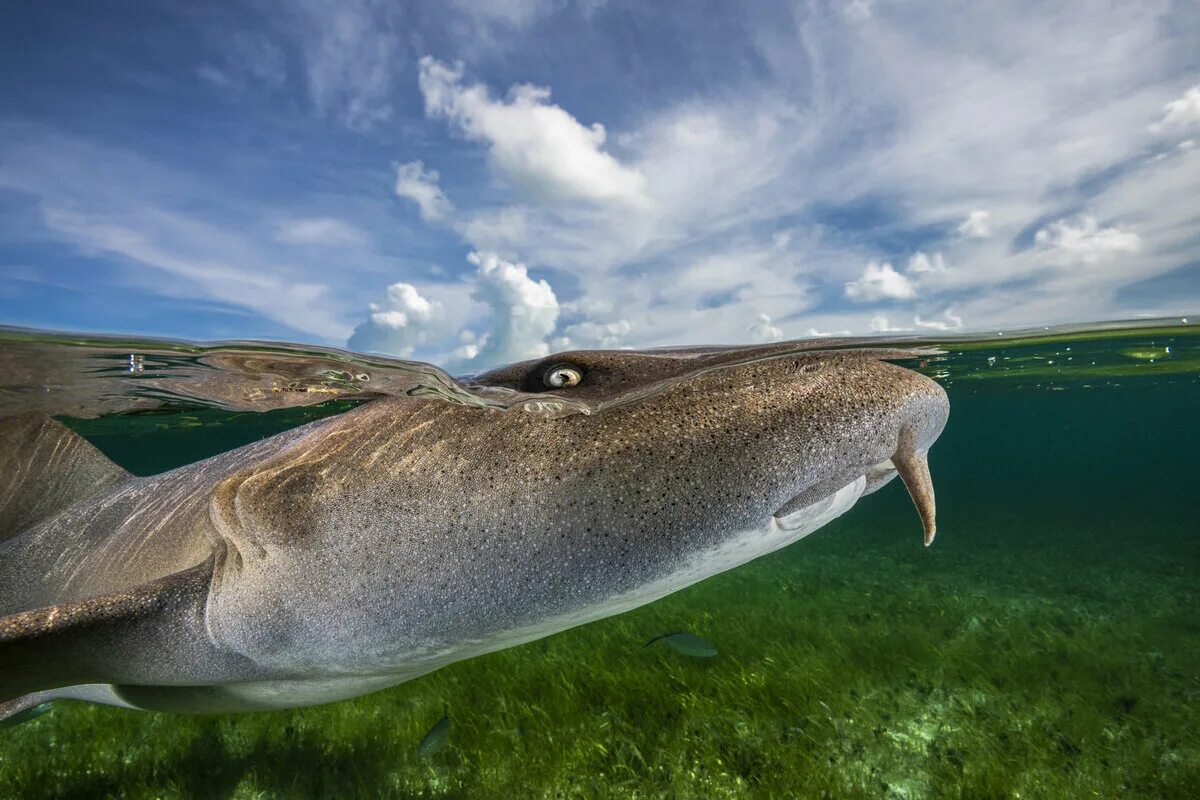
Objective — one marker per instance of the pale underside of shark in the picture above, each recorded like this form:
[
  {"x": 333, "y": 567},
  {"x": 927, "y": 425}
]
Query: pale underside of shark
[{"x": 365, "y": 549}]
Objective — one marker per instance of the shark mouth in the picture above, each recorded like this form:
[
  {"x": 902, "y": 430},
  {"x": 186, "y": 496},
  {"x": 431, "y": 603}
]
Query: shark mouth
[{"x": 913, "y": 469}]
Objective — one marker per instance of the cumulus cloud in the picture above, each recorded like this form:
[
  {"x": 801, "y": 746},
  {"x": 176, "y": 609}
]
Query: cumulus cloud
[
  {"x": 319, "y": 231},
  {"x": 398, "y": 325},
  {"x": 880, "y": 281},
  {"x": 977, "y": 225},
  {"x": 524, "y": 312},
  {"x": 535, "y": 144},
  {"x": 1083, "y": 241},
  {"x": 515, "y": 318},
  {"x": 765, "y": 331},
  {"x": 420, "y": 185},
  {"x": 1181, "y": 113}
]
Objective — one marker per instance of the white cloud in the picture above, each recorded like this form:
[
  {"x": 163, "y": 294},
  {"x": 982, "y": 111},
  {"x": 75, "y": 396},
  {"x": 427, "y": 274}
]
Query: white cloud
[
  {"x": 816, "y": 334},
  {"x": 1083, "y": 241},
  {"x": 977, "y": 225},
  {"x": 1181, "y": 113},
  {"x": 535, "y": 144},
  {"x": 351, "y": 57},
  {"x": 880, "y": 281},
  {"x": 319, "y": 231},
  {"x": 1026, "y": 111},
  {"x": 920, "y": 262},
  {"x": 880, "y": 324},
  {"x": 858, "y": 10},
  {"x": 589, "y": 307},
  {"x": 949, "y": 322},
  {"x": 469, "y": 347},
  {"x": 420, "y": 185},
  {"x": 297, "y": 304},
  {"x": 215, "y": 76},
  {"x": 399, "y": 325},
  {"x": 712, "y": 167},
  {"x": 510, "y": 13},
  {"x": 765, "y": 331},
  {"x": 593, "y": 334},
  {"x": 498, "y": 230},
  {"x": 514, "y": 317},
  {"x": 524, "y": 312}
]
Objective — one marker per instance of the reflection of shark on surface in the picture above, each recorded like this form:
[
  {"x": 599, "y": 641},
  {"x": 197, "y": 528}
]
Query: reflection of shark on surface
[{"x": 365, "y": 549}]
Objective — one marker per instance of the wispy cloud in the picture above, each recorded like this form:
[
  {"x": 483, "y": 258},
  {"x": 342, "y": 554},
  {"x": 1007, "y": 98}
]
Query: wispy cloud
[
  {"x": 245, "y": 59},
  {"x": 351, "y": 56},
  {"x": 295, "y": 304},
  {"x": 319, "y": 231}
]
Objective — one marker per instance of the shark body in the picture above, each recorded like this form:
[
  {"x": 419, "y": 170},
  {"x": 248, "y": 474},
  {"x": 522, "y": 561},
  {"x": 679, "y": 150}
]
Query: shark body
[{"x": 365, "y": 549}]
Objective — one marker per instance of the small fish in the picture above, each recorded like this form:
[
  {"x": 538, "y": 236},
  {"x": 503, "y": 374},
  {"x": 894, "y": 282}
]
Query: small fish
[
  {"x": 687, "y": 644},
  {"x": 435, "y": 739},
  {"x": 24, "y": 716}
]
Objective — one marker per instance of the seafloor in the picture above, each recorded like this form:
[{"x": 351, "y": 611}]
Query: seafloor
[{"x": 1046, "y": 646}]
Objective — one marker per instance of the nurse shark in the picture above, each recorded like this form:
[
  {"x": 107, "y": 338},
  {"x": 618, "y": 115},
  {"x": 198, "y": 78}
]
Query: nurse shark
[{"x": 365, "y": 549}]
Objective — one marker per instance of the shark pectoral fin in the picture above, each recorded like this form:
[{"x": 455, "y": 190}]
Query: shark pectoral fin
[
  {"x": 47, "y": 467},
  {"x": 913, "y": 469},
  {"x": 150, "y": 633}
]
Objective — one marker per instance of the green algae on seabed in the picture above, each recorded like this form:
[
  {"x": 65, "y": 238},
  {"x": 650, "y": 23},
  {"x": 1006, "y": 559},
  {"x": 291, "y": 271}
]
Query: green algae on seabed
[{"x": 1047, "y": 646}]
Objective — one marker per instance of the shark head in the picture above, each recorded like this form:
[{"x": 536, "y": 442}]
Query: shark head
[{"x": 748, "y": 436}]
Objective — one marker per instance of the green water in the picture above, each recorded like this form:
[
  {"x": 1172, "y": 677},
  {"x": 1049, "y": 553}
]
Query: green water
[{"x": 1047, "y": 645}]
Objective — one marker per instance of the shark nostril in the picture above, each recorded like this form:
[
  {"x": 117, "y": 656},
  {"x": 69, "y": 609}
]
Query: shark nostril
[{"x": 913, "y": 468}]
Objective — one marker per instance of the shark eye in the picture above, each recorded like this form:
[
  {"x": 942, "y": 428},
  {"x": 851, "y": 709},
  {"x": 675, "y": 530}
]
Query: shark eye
[{"x": 562, "y": 377}]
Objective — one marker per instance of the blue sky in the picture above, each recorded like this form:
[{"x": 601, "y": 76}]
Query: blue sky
[{"x": 473, "y": 183}]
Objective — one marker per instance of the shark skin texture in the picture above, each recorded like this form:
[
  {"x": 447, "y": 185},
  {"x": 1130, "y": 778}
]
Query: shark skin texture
[{"x": 365, "y": 549}]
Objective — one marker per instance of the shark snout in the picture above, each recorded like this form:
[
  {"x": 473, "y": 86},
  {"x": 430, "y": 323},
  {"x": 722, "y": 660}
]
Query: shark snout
[{"x": 892, "y": 432}]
